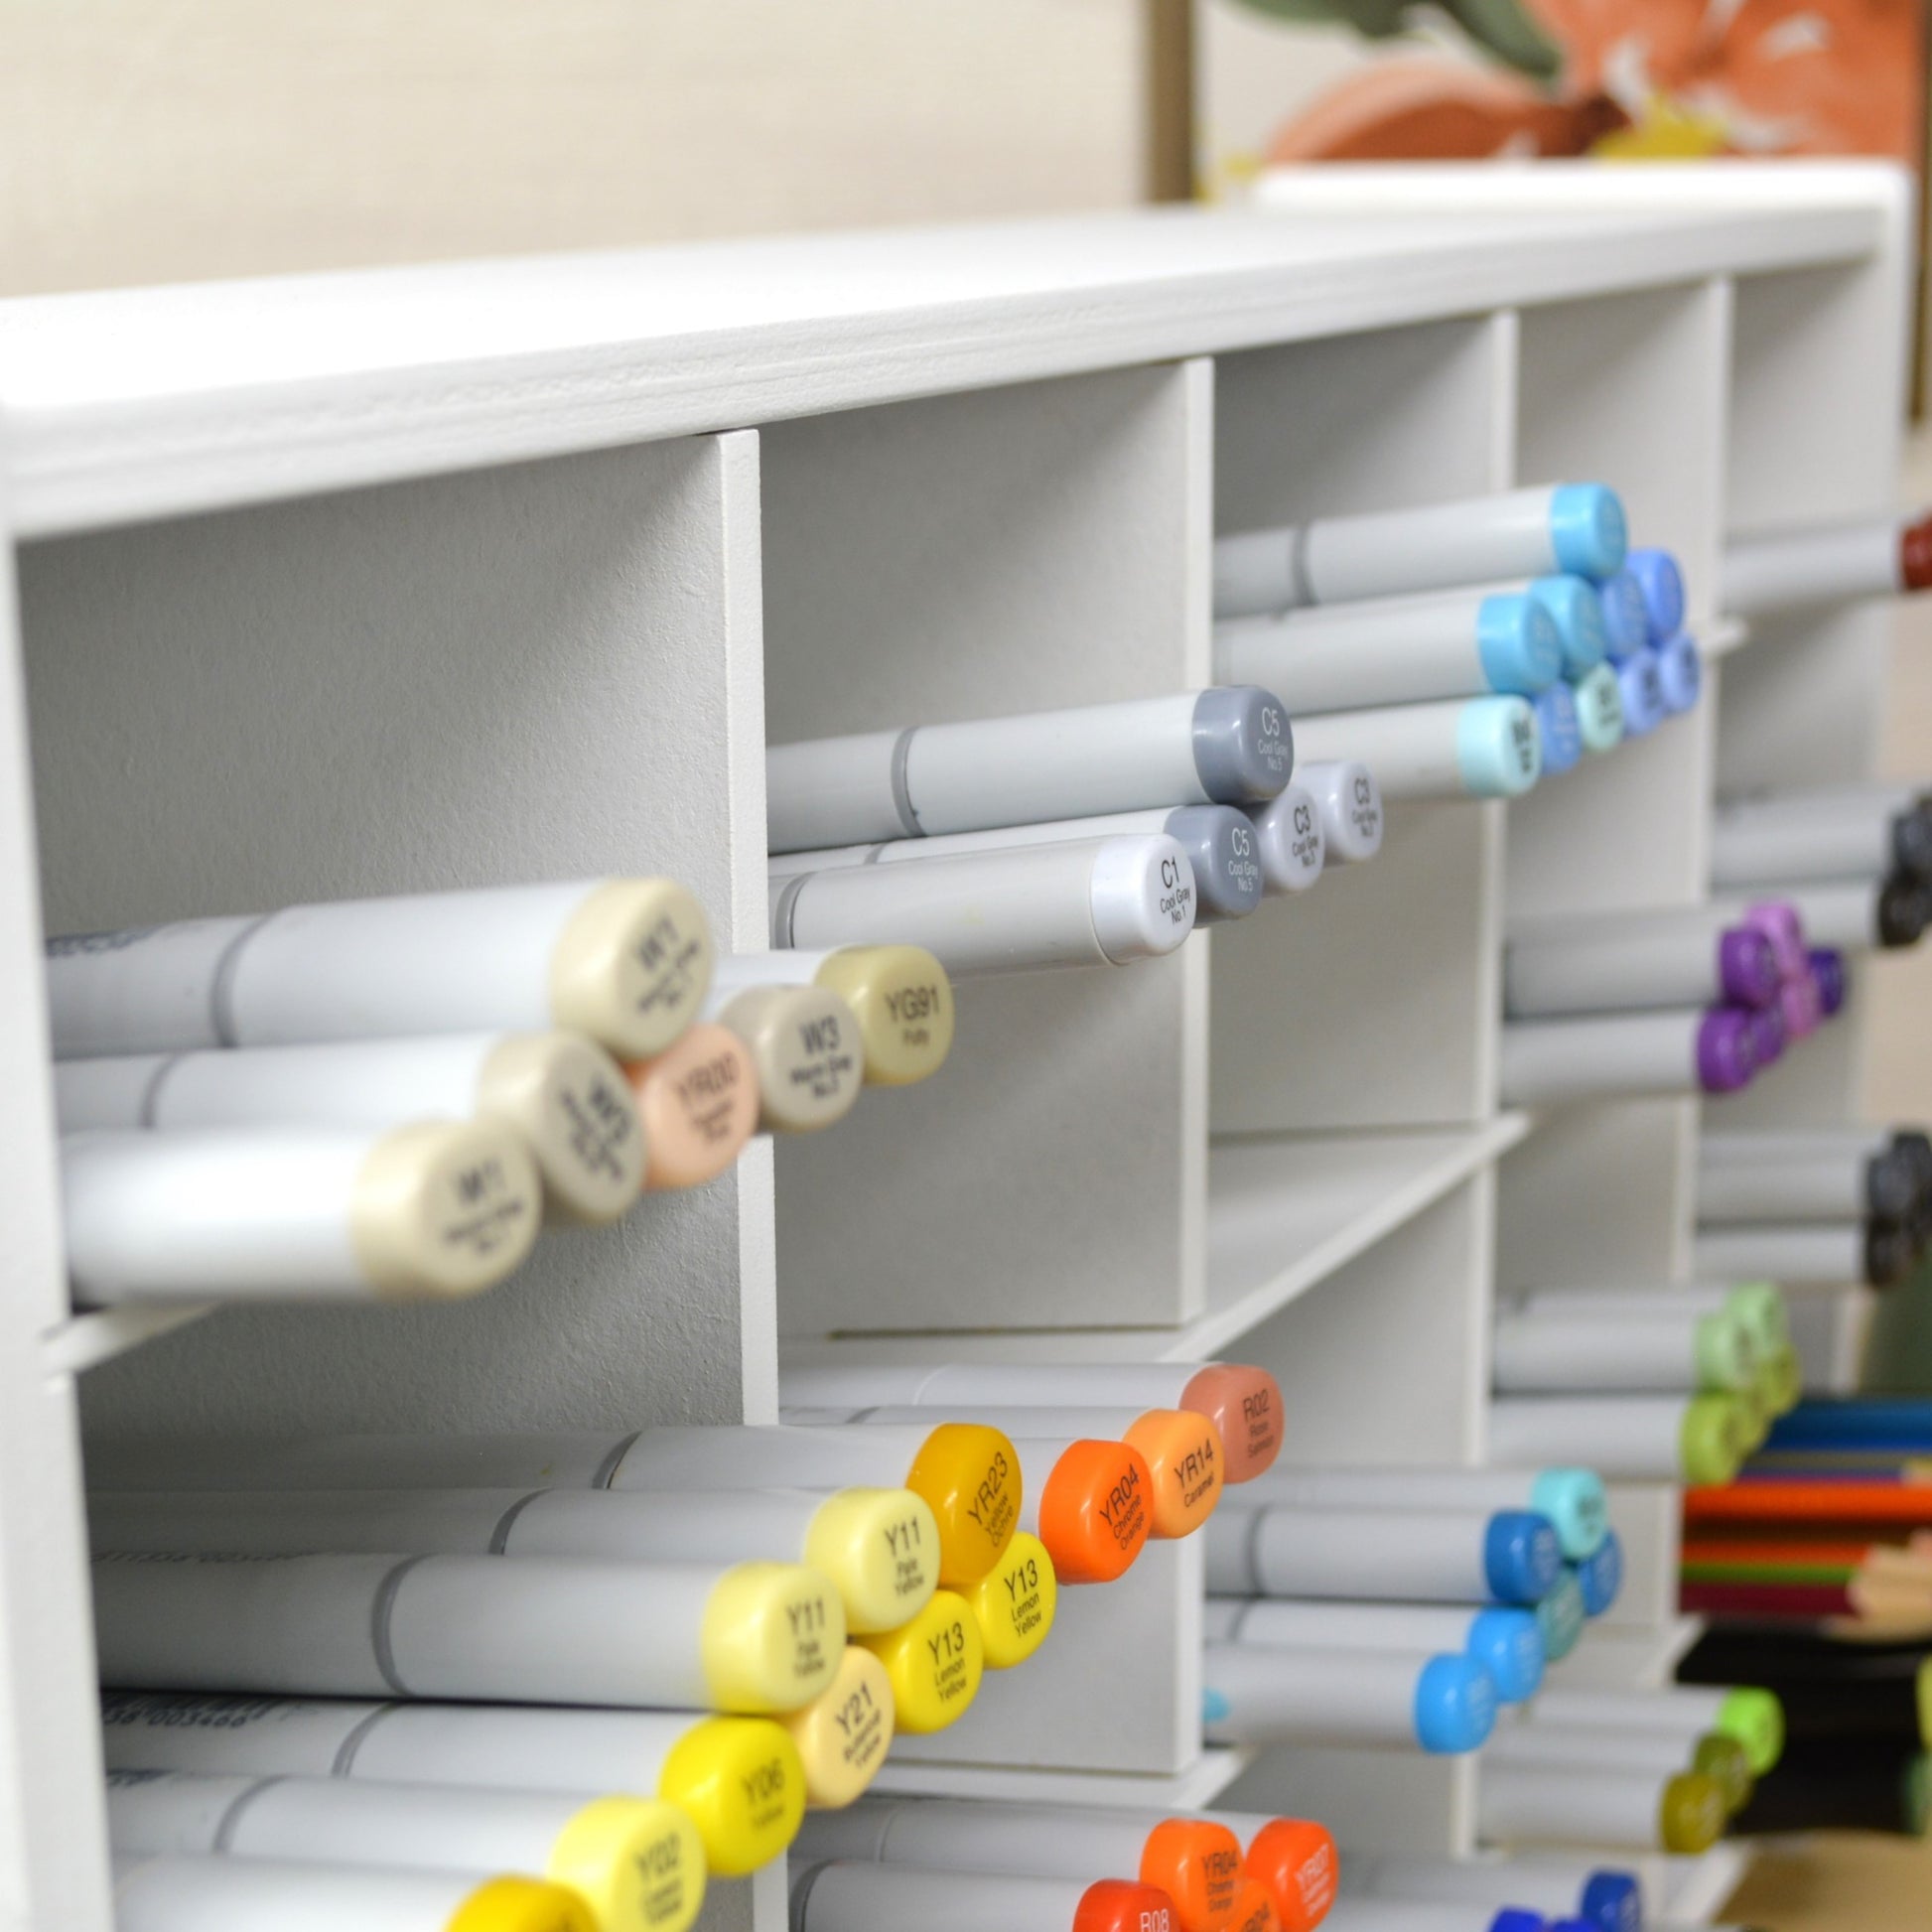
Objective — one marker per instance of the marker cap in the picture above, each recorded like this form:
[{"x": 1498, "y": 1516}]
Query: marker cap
[
  {"x": 1904, "y": 910},
  {"x": 1131, "y": 891},
  {"x": 1892, "y": 1184},
  {"x": 1755, "y": 1717},
  {"x": 567, "y": 1097},
  {"x": 1626, "y": 625},
  {"x": 934, "y": 1662},
  {"x": 1558, "y": 738},
  {"x": 1770, "y": 1033},
  {"x": 1351, "y": 807},
  {"x": 1455, "y": 1704},
  {"x": 969, "y": 1477},
  {"x": 1587, "y": 530},
  {"x": 1219, "y": 843},
  {"x": 1759, "y": 1306},
  {"x": 1722, "y": 1350},
  {"x": 1559, "y": 1617},
  {"x": 1642, "y": 693},
  {"x": 770, "y": 1637},
  {"x": 1722, "y": 1760},
  {"x": 1254, "y": 1910},
  {"x": 1600, "y": 1575},
  {"x": 1243, "y": 745},
  {"x": 1747, "y": 967},
  {"x": 1120, "y": 1905},
  {"x": 1661, "y": 583},
  {"x": 631, "y": 966},
  {"x": 880, "y": 1548},
  {"x": 1496, "y": 750},
  {"x": 1198, "y": 1863},
  {"x": 844, "y": 1733},
  {"x": 1517, "y": 643},
  {"x": 699, "y": 1103},
  {"x": 1680, "y": 672},
  {"x": 637, "y": 1861},
  {"x": 1509, "y": 1646},
  {"x": 522, "y": 1905},
  {"x": 1521, "y": 1558},
  {"x": 1289, "y": 839},
  {"x": 1726, "y": 1051},
  {"x": 1575, "y": 1503},
  {"x": 1798, "y": 1005},
  {"x": 1599, "y": 707},
  {"x": 742, "y": 1785},
  {"x": 1690, "y": 1814},
  {"x": 1244, "y": 1403},
  {"x": 1923, "y": 1699},
  {"x": 1576, "y": 610},
  {"x": 803, "y": 1042},
  {"x": 1915, "y": 1804},
  {"x": 1784, "y": 1379},
  {"x": 1753, "y": 1418},
  {"x": 1613, "y": 1901},
  {"x": 1186, "y": 1458},
  {"x": 904, "y": 1004},
  {"x": 1709, "y": 1439},
  {"x": 1912, "y": 843},
  {"x": 1294, "y": 1859},
  {"x": 1096, "y": 1510},
  {"x": 1516, "y": 1918},
  {"x": 1916, "y": 554},
  {"x": 1015, "y": 1602},
  {"x": 1890, "y": 1254}
]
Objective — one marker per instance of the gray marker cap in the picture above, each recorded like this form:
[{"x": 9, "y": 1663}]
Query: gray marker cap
[
  {"x": 1289, "y": 839},
  {"x": 1221, "y": 845},
  {"x": 1243, "y": 746}
]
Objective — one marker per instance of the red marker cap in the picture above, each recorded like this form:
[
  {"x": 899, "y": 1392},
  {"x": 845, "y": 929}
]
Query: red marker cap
[
  {"x": 1294, "y": 1859},
  {"x": 1916, "y": 554},
  {"x": 1198, "y": 1863},
  {"x": 1254, "y": 1909},
  {"x": 1120, "y": 1905}
]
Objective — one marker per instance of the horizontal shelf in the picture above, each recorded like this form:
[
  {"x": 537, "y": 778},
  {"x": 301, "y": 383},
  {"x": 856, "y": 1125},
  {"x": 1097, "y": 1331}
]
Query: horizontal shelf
[
  {"x": 1190, "y": 1790},
  {"x": 1694, "y": 1889},
  {"x": 89, "y": 1339},
  {"x": 1722, "y": 636}
]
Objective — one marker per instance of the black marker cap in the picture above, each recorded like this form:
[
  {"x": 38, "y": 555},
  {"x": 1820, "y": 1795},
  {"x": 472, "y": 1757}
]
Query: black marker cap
[{"x": 1903, "y": 910}]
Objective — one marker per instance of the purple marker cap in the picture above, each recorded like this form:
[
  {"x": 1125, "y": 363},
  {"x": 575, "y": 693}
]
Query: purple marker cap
[
  {"x": 1778, "y": 920},
  {"x": 1769, "y": 1035},
  {"x": 1725, "y": 1056},
  {"x": 1747, "y": 967},
  {"x": 1800, "y": 1004},
  {"x": 1828, "y": 974}
]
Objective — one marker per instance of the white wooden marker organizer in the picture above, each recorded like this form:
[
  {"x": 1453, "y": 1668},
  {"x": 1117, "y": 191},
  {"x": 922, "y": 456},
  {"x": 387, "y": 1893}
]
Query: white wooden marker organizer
[{"x": 472, "y": 574}]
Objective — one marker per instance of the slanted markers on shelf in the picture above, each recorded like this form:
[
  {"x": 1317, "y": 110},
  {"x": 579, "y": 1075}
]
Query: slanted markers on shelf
[
  {"x": 1461, "y": 748},
  {"x": 1263, "y": 1695},
  {"x": 1644, "y": 1437},
  {"x": 1542, "y": 1350},
  {"x": 1773, "y": 838},
  {"x": 1769, "y": 1176},
  {"x": 1825, "y": 563},
  {"x": 1681, "y": 1812},
  {"x": 1607, "y": 1056},
  {"x": 1599, "y": 964}
]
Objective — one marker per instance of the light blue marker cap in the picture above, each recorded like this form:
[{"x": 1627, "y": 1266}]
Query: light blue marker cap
[
  {"x": 1575, "y": 1503},
  {"x": 1517, "y": 643},
  {"x": 1680, "y": 672},
  {"x": 1642, "y": 691},
  {"x": 1578, "y": 614},
  {"x": 1509, "y": 1646},
  {"x": 1613, "y": 1901},
  {"x": 1626, "y": 624},
  {"x": 1587, "y": 531},
  {"x": 1497, "y": 753},
  {"x": 1521, "y": 1559},
  {"x": 1560, "y": 1617},
  {"x": 1662, "y": 583},
  {"x": 1516, "y": 1918},
  {"x": 1600, "y": 1577},
  {"x": 1559, "y": 735},
  {"x": 1600, "y": 709},
  {"x": 1455, "y": 1704}
]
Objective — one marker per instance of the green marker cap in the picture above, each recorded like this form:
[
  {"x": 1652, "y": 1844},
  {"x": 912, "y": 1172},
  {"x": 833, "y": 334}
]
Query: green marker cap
[
  {"x": 1925, "y": 1703},
  {"x": 1724, "y": 1761},
  {"x": 1784, "y": 1380},
  {"x": 1918, "y": 1795},
  {"x": 1724, "y": 1356},
  {"x": 1690, "y": 1814},
  {"x": 1560, "y": 1617},
  {"x": 1760, "y": 1307},
  {"x": 1755, "y": 1719},
  {"x": 1711, "y": 1439}
]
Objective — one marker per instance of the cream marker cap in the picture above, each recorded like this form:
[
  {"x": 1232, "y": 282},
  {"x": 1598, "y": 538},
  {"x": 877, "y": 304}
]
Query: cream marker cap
[
  {"x": 772, "y": 1639},
  {"x": 880, "y": 1548},
  {"x": 569, "y": 1100},
  {"x": 805, "y": 1049},
  {"x": 904, "y": 1004},
  {"x": 444, "y": 1208},
  {"x": 843, "y": 1734},
  {"x": 631, "y": 966},
  {"x": 637, "y": 1862}
]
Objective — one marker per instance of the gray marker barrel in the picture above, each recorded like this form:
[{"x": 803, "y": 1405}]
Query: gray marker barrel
[
  {"x": 1824, "y": 832},
  {"x": 1645, "y": 1438},
  {"x": 1861, "y": 916},
  {"x": 1252, "y": 1694},
  {"x": 1290, "y": 841},
  {"x": 1873, "y": 1252},
  {"x": 1538, "y": 1352},
  {"x": 1823, "y": 563},
  {"x": 1846, "y": 1185},
  {"x": 1597, "y": 966},
  {"x": 1549, "y": 1804},
  {"x": 1473, "y": 747},
  {"x": 1555, "y": 1063},
  {"x": 1349, "y": 801}
]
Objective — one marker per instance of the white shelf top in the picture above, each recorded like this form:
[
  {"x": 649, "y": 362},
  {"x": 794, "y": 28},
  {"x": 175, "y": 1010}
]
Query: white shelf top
[
  {"x": 1193, "y": 1789},
  {"x": 126, "y": 405},
  {"x": 85, "y": 1341}
]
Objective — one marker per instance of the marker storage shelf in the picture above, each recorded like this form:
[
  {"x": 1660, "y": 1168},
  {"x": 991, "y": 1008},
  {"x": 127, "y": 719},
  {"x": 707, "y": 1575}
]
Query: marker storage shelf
[{"x": 477, "y": 574}]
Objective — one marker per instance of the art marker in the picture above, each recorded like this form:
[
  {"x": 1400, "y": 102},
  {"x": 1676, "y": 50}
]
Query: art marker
[
  {"x": 888, "y": 1898},
  {"x": 1648, "y": 1437},
  {"x": 1757, "y": 1307},
  {"x": 1599, "y": 707},
  {"x": 1532, "y": 1804},
  {"x": 1626, "y": 623},
  {"x": 1292, "y": 1858},
  {"x": 1544, "y": 1740},
  {"x": 1751, "y": 1146},
  {"x": 1015, "y": 1602},
  {"x": 1865, "y": 1789},
  {"x": 1680, "y": 673},
  {"x": 1606, "y": 1056},
  {"x": 1558, "y": 736},
  {"x": 844, "y": 1733},
  {"x": 636, "y": 1862},
  {"x": 1466, "y": 748},
  {"x": 430, "y": 1211},
  {"x": 1219, "y": 841},
  {"x": 1862, "y": 917},
  {"x": 1831, "y": 975},
  {"x": 1762, "y": 842},
  {"x": 879, "y": 1547},
  {"x": 1443, "y": 1555},
  {"x": 751, "y": 1638},
  {"x": 1640, "y": 691},
  {"x": 1195, "y": 1862},
  {"x": 624, "y": 961},
  {"x": 933, "y": 1664},
  {"x": 1243, "y": 1401},
  {"x": 1253, "y": 1695},
  {"x": 1842, "y": 1183},
  {"x": 1254, "y": 1908},
  {"x": 1877, "y": 1253},
  {"x": 898, "y": 995},
  {"x": 804, "y": 1049},
  {"x": 563, "y": 1096},
  {"x": 1394, "y": 650},
  {"x": 1542, "y": 1352},
  {"x": 1349, "y": 801},
  {"x": 1289, "y": 839},
  {"x": 1595, "y": 965},
  {"x": 1572, "y": 529},
  {"x": 1660, "y": 582},
  {"x": 1504, "y": 1641},
  {"x": 1102, "y": 903},
  {"x": 1560, "y": 1617},
  {"x": 1223, "y": 746},
  {"x": 740, "y": 1780},
  {"x": 700, "y": 1103},
  {"x": 1572, "y": 604},
  {"x": 1599, "y": 1577},
  {"x": 1682, "y": 1712},
  {"x": 1607, "y": 1899},
  {"x": 173, "y": 1894},
  {"x": 1434, "y": 1915},
  {"x": 1824, "y": 563},
  {"x": 1831, "y": 1691}
]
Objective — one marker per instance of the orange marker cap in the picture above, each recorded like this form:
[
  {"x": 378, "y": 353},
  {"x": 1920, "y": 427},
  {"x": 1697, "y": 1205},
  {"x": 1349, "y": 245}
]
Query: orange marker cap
[
  {"x": 1245, "y": 1404},
  {"x": 1186, "y": 1458},
  {"x": 969, "y": 1475},
  {"x": 1120, "y": 1905},
  {"x": 1096, "y": 1510},
  {"x": 1198, "y": 1863},
  {"x": 1254, "y": 1909},
  {"x": 1294, "y": 1859},
  {"x": 699, "y": 1103}
]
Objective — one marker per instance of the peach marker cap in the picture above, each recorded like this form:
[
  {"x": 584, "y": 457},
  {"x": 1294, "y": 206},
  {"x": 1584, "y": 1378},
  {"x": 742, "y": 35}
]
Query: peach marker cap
[
  {"x": 1245, "y": 1404},
  {"x": 1096, "y": 1509},
  {"x": 843, "y": 1734},
  {"x": 1186, "y": 1458},
  {"x": 1294, "y": 1859},
  {"x": 699, "y": 1103},
  {"x": 1198, "y": 1863}
]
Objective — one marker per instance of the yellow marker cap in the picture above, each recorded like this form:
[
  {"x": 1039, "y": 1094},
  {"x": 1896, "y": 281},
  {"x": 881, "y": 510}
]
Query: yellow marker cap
[
  {"x": 1711, "y": 1439},
  {"x": 631, "y": 966},
  {"x": 741, "y": 1783},
  {"x": 1015, "y": 1602},
  {"x": 843, "y": 1734},
  {"x": 903, "y": 1003},
  {"x": 522, "y": 1905},
  {"x": 969, "y": 1475},
  {"x": 935, "y": 1663},
  {"x": 772, "y": 1636},
  {"x": 1690, "y": 1814},
  {"x": 880, "y": 1548},
  {"x": 637, "y": 1861}
]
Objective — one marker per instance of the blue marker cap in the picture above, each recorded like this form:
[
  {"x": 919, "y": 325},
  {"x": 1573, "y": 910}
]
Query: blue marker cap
[
  {"x": 1613, "y": 1901},
  {"x": 1517, "y": 643},
  {"x": 1513, "y": 1918},
  {"x": 1575, "y": 1503},
  {"x": 1587, "y": 531},
  {"x": 1570, "y": 1925},
  {"x": 1497, "y": 753},
  {"x": 1578, "y": 614},
  {"x": 1560, "y": 1617},
  {"x": 1559, "y": 735},
  {"x": 1600, "y": 1577},
  {"x": 1662, "y": 583},
  {"x": 1642, "y": 692},
  {"x": 1626, "y": 624},
  {"x": 1680, "y": 672},
  {"x": 1455, "y": 1704},
  {"x": 1509, "y": 1646},
  {"x": 1521, "y": 1557}
]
